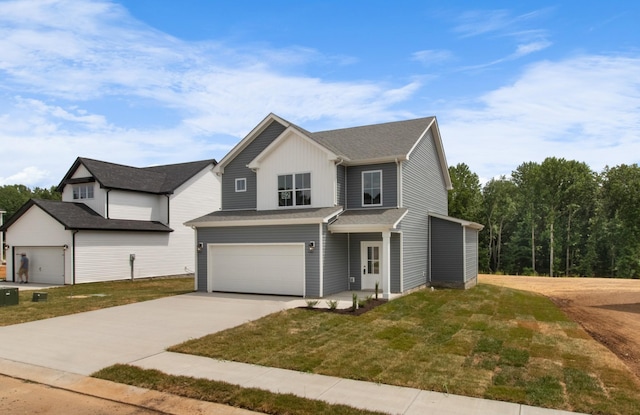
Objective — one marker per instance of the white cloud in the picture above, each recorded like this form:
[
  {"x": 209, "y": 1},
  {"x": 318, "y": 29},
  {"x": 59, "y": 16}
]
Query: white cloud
[
  {"x": 53, "y": 71},
  {"x": 432, "y": 57},
  {"x": 585, "y": 108}
]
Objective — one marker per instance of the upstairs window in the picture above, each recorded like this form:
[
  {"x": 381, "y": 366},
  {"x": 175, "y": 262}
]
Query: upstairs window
[
  {"x": 372, "y": 188},
  {"x": 294, "y": 189},
  {"x": 83, "y": 191},
  {"x": 241, "y": 185}
]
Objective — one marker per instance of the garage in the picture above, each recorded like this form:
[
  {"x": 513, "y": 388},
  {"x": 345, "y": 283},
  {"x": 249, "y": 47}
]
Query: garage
[
  {"x": 257, "y": 268},
  {"x": 46, "y": 264}
]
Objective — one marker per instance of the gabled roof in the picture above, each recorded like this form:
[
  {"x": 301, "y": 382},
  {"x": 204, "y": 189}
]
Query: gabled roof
[
  {"x": 265, "y": 217},
  {"x": 377, "y": 143},
  {"x": 78, "y": 216},
  {"x": 374, "y": 142},
  {"x": 157, "y": 179}
]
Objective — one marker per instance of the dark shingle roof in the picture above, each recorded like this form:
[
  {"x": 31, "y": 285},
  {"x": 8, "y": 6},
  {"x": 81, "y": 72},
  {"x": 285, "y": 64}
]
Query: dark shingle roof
[
  {"x": 158, "y": 179},
  {"x": 249, "y": 217},
  {"x": 78, "y": 216},
  {"x": 371, "y": 142}
]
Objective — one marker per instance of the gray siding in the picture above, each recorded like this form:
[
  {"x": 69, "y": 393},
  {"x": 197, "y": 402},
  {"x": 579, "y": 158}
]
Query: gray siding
[
  {"x": 389, "y": 185},
  {"x": 471, "y": 254},
  {"x": 341, "y": 186},
  {"x": 336, "y": 262},
  {"x": 265, "y": 234},
  {"x": 447, "y": 253},
  {"x": 355, "y": 266},
  {"x": 423, "y": 191},
  {"x": 396, "y": 262},
  {"x": 237, "y": 168}
]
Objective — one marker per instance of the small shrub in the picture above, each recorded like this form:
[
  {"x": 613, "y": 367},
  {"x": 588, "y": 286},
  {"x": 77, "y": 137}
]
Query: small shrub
[
  {"x": 332, "y": 304},
  {"x": 362, "y": 302},
  {"x": 354, "y": 301},
  {"x": 377, "y": 288},
  {"x": 312, "y": 303}
]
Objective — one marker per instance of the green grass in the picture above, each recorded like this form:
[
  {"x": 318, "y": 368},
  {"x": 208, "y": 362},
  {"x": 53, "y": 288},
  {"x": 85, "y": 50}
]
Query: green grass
[
  {"x": 224, "y": 393},
  {"x": 78, "y": 298},
  {"x": 489, "y": 342}
]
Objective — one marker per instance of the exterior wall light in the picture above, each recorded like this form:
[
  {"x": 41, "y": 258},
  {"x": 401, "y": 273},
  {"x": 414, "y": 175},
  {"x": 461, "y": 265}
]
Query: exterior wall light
[
  {"x": 5, "y": 247},
  {"x": 200, "y": 246},
  {"x": 312, "y": 246},
  {"x": 65, "y": 247}
]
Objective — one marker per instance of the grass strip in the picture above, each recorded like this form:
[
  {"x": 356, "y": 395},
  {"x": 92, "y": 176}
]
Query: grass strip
[{"x": 224, "y": 393}]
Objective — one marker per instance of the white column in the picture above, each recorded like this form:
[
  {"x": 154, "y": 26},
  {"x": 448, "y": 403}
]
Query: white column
[{"x": 386, "y": 265}]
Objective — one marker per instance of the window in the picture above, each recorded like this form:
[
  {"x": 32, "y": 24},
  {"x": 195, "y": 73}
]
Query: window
[
  {"x": 294, "y": 189},
  {"x": 241, "y": 185},
  {"x": 372, "y": 188},
  {"x": 83, "y": 191}
]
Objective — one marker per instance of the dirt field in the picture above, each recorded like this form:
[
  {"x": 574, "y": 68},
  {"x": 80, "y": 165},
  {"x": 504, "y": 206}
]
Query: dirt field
[{"x": 607, "y": 308}]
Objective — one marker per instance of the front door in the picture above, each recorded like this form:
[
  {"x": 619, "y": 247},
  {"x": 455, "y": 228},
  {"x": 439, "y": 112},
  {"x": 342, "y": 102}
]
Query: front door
[{"x": 371, "y": 265}]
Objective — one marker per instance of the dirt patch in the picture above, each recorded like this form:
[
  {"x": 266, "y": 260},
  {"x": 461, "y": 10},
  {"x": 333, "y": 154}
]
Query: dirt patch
[{"x": 608, "y": 309}]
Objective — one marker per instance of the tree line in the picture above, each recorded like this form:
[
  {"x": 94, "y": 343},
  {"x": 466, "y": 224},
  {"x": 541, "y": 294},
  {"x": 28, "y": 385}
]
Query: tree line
[
  {"x": 12, "y": 197},
  {"x": 555, "y": 218}
]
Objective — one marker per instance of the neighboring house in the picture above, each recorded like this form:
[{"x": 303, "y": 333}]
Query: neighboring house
[
  {"x": 312, "y": 214},
  {"x": 114, "y": 222}
]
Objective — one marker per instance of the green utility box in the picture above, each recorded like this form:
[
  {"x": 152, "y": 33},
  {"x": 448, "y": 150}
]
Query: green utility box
[
  {"x": 8, "y": 296},
  {"x": 37, "y": 297}
]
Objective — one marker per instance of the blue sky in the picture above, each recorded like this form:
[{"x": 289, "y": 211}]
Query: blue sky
[{"x": 144, "y": 82}]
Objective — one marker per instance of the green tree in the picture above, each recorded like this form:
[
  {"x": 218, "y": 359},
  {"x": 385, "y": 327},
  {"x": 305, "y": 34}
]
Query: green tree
[
  {"x": 621, "y": 207},
  {"x": 12, "y": 197},
  {"x": 465, "y": 199},
  {"x": 500, "y": 208}
]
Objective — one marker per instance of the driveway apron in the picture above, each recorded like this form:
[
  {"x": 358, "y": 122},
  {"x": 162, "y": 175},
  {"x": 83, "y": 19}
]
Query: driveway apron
[{"x": 86, "y": 342}]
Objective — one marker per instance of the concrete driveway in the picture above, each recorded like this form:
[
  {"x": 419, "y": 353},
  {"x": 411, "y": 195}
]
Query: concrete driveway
[{"x": 86, "y": 342}]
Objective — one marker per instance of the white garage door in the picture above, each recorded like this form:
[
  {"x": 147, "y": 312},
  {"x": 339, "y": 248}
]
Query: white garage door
[
  {"x": 46, "y": 264},
  {"x": 257, "y": 268}
]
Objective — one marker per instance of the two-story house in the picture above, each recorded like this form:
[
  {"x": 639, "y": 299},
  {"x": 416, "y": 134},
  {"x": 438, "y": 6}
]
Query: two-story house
[
  {"x": 312, "y": 214},
  {"x": 114, "y": 222}
]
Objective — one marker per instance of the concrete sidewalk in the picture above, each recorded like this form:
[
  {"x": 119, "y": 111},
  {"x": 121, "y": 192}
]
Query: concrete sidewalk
[{"x": 364, "y": 395}]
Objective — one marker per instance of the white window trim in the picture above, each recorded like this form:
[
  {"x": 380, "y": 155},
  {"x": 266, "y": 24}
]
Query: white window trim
[
  {"x": 86, "y": 187},
  {"x": 362, "y": 188},
  {"x": 241, "y": 180},
  {"x": 293, "y": 191}
]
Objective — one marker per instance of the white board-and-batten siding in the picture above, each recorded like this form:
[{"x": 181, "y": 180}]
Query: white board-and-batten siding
[
  {"x": 36, "y": 228},
  {"x": 295, "y": 155}
]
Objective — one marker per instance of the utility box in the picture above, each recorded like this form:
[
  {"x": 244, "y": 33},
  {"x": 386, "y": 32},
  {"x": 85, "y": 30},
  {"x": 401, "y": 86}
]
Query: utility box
[
  {"x": 38, "y": 297},
  {"x": 8, "y": 296}
]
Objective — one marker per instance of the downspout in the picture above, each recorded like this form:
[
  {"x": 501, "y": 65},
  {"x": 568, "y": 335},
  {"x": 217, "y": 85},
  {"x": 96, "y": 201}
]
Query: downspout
[
  {"x": 73, "y": 256},
  {"x": 106, "y": 208},
  {"x": 168, "y": 209}
]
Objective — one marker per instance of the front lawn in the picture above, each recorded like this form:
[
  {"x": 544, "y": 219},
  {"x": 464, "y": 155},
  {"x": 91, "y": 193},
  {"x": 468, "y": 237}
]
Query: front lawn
[
  {"x": 79, "y": 298},
  {"x": 489, "y": 342}
]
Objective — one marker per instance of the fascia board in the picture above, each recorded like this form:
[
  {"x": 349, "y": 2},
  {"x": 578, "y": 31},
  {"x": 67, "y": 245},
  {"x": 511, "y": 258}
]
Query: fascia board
[
  {"x": 286, "y": 134},
  {"x": 259, "y": 222},
  {"x": 219, "y": 168},
  {"x": 360, "y": 228},
  {"x": 379, "y": 160}
]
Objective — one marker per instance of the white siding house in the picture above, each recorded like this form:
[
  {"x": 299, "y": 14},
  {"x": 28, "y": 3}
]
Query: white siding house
[{"x": 114, "y": 222}]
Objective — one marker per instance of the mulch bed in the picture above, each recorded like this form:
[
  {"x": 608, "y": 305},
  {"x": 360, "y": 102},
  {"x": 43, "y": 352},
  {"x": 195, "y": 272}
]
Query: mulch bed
[{"x": 368, "y": 306}]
